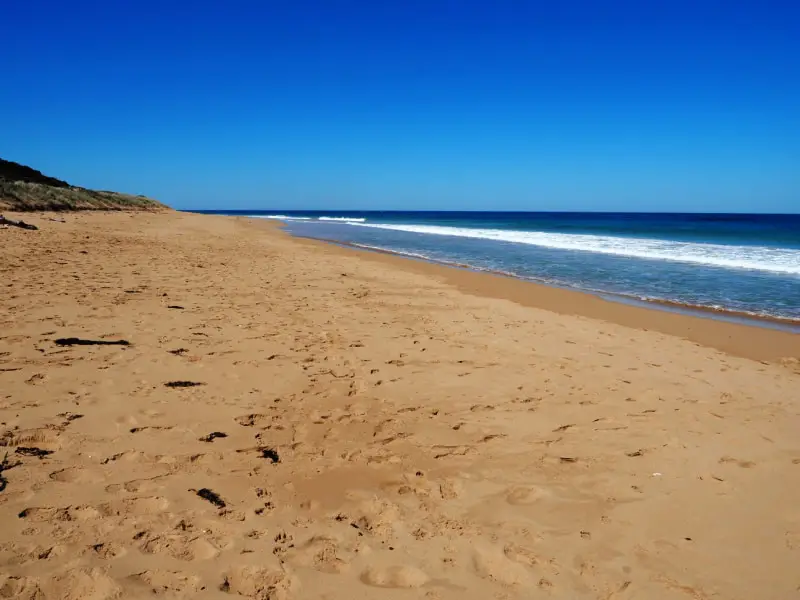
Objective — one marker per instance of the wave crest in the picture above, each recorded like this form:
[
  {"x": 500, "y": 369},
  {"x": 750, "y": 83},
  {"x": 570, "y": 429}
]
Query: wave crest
[
  {"x": 296, "y": 218},
  {"x": 280, "y": 217},
  {"x": 760, "y": 258},
  {"x": 343, "y": 219}
]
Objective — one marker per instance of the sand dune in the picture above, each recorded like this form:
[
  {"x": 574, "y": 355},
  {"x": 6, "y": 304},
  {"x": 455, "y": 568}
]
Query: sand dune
[{"x": 345, "y": 426}]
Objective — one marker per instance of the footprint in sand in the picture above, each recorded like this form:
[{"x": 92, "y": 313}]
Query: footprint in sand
[
  {"x": 75, "y": 475},
  {"x": 320, "y": 552},
  {"x": 522, "y": 496},
  {"x": 135, "y": 485},
  {"x": 106, "y": 550},
  {"x": 442, "y": 451},
  {"x": 200, "y": 458},
  {"x": 127, "y": 456},
  {"x": 50, "y": 514},
  {"x": 260, "y": 582},
  {"x": 172, "y": 583},
  {"x": 181, "y": 546},
  {"x": 146, "y": 505},
  {"x": 151, "y": 428},
  {"x": 22, "y": 555},
  {"x": 47, "y": 439},
  {"x": 254, "y": 420},
  {"x": 450, "y": 489},
  {"x": 127, "y": 421},
  {"x": 493, "y": 565},
  {"x": 521, "y": 555},
  {"x": 81, "y": 584},
  {"x": 378, "y": 518},
  {"x": 394, "y": 577},
  {"x": 25, "y": 588},
  {"x": 744, "y": 464}
]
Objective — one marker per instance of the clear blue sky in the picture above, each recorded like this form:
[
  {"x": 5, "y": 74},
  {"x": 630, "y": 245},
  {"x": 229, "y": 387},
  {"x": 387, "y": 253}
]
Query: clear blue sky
[{"x": 417, "y": 104}]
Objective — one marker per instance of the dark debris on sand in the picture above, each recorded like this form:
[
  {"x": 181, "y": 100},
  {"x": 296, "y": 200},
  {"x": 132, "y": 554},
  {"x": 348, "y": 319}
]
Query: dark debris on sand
[
  {"x": 211, "y": 496},
  {"x": 70, "y": 416},
  {"x": 270, "y": 454},
  {"x": 213, "y": 435},
  {"x": 33, "y": 451},
  {"x": 73, "y": 341},
  {"x": 20, "y": 224},
  {"x": 182, "y": 384},
  {"x": 6, "y": 466}
]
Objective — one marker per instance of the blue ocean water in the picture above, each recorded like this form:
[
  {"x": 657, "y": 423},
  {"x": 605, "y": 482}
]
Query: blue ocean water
[{"x": 739, "y": 263}]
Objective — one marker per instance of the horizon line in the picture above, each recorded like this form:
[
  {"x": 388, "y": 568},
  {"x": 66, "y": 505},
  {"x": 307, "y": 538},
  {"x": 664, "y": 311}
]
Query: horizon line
[{"x": 430, "y": 210}]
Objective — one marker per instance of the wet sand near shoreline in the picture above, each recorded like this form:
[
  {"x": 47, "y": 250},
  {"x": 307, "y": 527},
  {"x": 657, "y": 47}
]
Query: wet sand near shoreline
[{"x": 739, "y": 334}]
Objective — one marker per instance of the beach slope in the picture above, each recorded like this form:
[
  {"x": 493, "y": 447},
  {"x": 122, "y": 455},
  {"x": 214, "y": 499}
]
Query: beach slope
[{"x": 203, "y": 407}]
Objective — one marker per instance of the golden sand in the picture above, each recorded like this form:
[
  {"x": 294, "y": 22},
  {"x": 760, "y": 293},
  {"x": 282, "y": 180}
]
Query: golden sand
[{"x": 390, "y": 429}]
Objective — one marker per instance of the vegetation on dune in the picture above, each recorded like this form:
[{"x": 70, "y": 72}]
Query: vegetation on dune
[
  {"x": 25, "y": 189},
  {"x": 11, "y": 171}
]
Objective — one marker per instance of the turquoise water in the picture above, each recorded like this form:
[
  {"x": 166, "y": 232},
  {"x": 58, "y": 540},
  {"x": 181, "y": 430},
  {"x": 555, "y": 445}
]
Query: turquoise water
[{"x": 740, "y": 263}]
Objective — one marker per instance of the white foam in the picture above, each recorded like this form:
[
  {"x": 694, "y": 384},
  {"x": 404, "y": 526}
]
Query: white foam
[
  {"x": 292, "y": 218},
  {"x": 397, "y": 252},
  {"x": 344, "y": 219},
  {"x": 760, "y": 258},
  {"x": 280, "y": 217}
]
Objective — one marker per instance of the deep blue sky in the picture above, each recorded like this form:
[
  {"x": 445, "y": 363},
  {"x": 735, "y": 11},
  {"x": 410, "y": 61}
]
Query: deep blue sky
[{"x": 525, "y": 105}]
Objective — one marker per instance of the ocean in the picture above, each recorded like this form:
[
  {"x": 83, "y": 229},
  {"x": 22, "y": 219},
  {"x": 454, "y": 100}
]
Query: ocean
[{"x": 733, "y": 264}]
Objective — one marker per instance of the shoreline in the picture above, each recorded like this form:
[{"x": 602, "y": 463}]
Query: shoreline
[
  {"x": 731, "y": 316},
  {"x": 747, "y": 340},
  {"x": 744, "y": 307}
]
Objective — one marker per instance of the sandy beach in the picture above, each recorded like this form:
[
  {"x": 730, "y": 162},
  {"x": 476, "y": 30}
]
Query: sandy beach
[{"x": 292, "y": 419}]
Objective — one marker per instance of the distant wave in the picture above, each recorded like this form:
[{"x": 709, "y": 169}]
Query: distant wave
[
  {"x": 292, "y": 218},
  {"x": 346, "y": 219},
  {"x": 280, "y": 217},
  {"x": 760, "y": 258}
]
